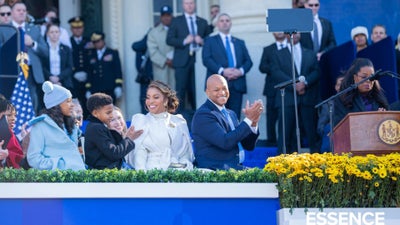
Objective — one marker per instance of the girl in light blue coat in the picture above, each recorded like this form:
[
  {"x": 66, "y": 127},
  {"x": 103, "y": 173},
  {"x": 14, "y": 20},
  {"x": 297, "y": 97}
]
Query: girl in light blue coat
[{"x": 54, "y": 135}]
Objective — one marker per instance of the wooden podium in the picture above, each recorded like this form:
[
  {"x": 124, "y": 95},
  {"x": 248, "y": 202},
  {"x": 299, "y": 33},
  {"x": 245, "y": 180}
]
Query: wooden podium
[{"x": 368, "y": 133}]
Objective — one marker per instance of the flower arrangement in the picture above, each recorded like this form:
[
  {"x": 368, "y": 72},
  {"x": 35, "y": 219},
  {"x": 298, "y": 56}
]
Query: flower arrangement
[{"x": 336, "y": 181}]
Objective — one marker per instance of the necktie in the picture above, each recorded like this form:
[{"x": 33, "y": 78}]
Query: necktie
[
  {"x": 229, "y": 53},
  {"x": 22, "y": 40},
  {"x": 192, "y": 31},
  {"x": 297, "y": 61},
  {"x": 230, "y": 122},
  {"x": 99, "y": 54},
  {"x": 280, "y": 46},
  {"x": 315, "y": 38}
]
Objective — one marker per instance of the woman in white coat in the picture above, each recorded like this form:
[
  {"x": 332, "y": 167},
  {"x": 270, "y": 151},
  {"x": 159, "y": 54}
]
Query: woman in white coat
[{"x": 165, "y": 142}]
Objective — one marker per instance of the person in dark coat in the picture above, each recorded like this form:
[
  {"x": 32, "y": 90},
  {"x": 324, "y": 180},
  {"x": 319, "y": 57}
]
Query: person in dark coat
[
  {"x": 269, "y": 91},
  {"x": 101, "y": 148},
  {"x": 57, "y": 63},
  {"x": 234, "y": 67},
  {"x": 218, "y": 136},
  {"x": 323, "y": 32},
  {"x": 186, "y": 35},
  {"x": 307, "y": 91},
  {"x": 105, "y": 72},
  {"x": 368, "y": 96},
  {"x": 81, "y": 47}
]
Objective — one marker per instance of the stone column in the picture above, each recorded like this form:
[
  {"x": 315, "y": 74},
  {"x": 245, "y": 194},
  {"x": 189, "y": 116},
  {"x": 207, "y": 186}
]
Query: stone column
[{"x": 136, "y": 20}]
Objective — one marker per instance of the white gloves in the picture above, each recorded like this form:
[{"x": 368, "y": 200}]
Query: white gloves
[
  {"x": 80, "y": 76},
  {"x": 118, "y": 92},
  {"x": 88, "y": 94}
]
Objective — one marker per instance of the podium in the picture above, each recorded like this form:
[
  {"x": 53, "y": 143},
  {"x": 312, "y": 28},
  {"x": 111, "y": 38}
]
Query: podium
[{"x": 368, "y": 133}]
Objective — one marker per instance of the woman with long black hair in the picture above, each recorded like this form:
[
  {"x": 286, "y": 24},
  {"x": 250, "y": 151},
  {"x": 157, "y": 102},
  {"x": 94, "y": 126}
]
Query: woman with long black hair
[
  {"x": 368, "y": 96},
  {"x": 54, "y": 134}
]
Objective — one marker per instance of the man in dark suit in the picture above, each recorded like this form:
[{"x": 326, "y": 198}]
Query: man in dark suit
[
  {"x": 323, "y": 30},
  {"x": 80, "y": 50},
  {"x": 227, "y": 55},
  {"x": 269, "y": 90},
  {"x": 33, "y": 43},
  {"x": 217, "y": 134},
  {"x": 307, "y": 94},
  {"x": 186, "y": 35},
  {"x": 105, "y": 73}
]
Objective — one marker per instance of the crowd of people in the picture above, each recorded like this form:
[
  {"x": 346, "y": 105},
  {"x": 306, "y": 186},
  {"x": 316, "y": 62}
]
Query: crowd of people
[{"x": 75, "y": 78}]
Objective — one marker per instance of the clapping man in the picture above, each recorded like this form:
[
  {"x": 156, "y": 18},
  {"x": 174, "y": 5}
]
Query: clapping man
[
  {"x": 228, "y": 56},
  {"x": 219, "y": 138}
]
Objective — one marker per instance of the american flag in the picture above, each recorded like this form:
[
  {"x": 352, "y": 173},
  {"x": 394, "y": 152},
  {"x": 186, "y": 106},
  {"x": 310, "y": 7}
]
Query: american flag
[{"x": 22, "y": 101}]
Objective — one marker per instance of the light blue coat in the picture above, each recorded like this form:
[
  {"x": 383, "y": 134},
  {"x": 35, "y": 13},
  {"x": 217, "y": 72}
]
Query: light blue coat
[{"x": 50, "y": 147}]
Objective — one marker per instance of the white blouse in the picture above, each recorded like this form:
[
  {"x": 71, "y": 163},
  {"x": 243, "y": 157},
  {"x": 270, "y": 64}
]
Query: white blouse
[{"x": 165, "y": 142}]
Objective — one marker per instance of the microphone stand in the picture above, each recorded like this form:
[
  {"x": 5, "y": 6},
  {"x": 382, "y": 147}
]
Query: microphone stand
[
  {"x": 282, "y": 89},
  {"x": 330, "y": 101},
  {"x": 392, "y": 74},
  {"x": 294, "y": 92}
]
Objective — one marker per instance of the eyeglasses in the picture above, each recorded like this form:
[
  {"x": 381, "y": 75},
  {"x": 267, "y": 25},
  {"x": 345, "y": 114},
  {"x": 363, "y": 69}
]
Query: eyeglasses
[
  {"x": 362, "y": 77},
  {"x": 5, "y": 13},
  {"x": 78, "y": 117},
  {"x": 313, "y": 5}
]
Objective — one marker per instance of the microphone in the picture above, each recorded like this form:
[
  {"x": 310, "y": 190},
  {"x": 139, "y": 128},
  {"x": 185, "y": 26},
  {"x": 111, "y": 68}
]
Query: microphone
[
  {"x": 289, "y": 82},
  {"x": 377, "y": 75}
]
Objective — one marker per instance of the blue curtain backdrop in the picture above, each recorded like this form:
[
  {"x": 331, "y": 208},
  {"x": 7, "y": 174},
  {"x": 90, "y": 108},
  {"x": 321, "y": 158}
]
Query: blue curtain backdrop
[
  {"x": 346, "y": 14},
  {"x": 351, "y": 13}
]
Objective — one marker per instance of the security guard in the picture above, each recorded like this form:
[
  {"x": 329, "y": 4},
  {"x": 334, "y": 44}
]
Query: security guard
[
  {"x": 81, "y": 46},
  {"x": 105, "y": 73}
]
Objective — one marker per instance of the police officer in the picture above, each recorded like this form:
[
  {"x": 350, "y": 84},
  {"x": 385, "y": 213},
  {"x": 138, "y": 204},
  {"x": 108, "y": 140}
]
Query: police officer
[
  {"x": 105, "y": 73},
  {"x": 80, "y": 50}
]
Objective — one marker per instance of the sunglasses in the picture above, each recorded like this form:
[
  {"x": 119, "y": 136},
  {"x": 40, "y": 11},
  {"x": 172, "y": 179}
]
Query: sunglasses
[
  {"x": 5, "y": 13},
  {"x": 313, "y": 5},
  {"x": 78, "y": 117}
]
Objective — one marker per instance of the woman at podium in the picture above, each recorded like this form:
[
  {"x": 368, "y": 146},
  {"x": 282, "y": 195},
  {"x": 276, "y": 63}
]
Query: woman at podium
[{"x": 367, "y": 96}]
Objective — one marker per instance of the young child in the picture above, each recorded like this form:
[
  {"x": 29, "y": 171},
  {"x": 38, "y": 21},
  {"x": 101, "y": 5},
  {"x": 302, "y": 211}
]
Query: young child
[
  {"x": 53, "y": 141},
  {"x": 101, "y": 149},
  {"x": 78, "y": 117},
  {"x": 118, "y": 123}
]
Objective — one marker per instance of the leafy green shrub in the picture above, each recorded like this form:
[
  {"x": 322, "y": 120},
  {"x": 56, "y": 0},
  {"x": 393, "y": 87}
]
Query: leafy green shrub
[{"x": 152, "y": 176}]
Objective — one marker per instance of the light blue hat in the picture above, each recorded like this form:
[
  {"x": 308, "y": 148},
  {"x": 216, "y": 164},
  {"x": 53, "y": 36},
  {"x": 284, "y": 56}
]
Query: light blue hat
[{"x": 54, "y": 94}]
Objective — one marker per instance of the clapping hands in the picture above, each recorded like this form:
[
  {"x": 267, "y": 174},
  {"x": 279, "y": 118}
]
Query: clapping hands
[
  {"x": 132, "y": 133},
  {"x": 253, "y": 111}
]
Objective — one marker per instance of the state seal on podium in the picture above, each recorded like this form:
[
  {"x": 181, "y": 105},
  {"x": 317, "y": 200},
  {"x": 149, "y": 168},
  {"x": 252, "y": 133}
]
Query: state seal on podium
[{"x": 389, "y": 132}]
